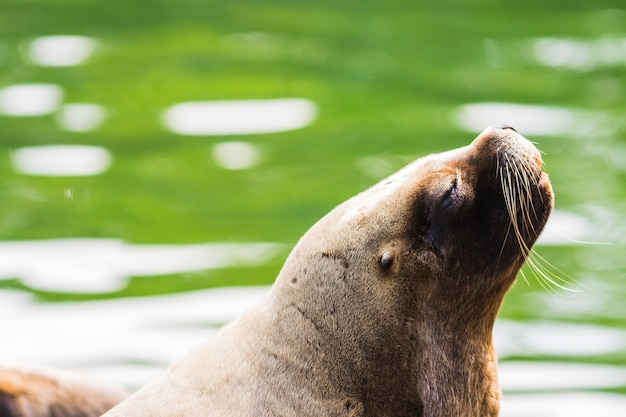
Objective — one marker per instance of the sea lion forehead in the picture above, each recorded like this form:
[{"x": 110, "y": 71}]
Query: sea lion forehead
[{"x": 394, "y": 188}]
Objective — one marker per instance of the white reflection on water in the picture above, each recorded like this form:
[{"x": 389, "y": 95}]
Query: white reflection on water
[
  {"x": 558, "y": 339},
  {"x": 236, "y": 155},
  {"x": 80, "y": 117},
  {"x": 564, "y": 404},
  {"x": 30, "y": 99},
  {"x": 102, "y": 265},
  {"x": 112, "y": 337},
  {"x": 526, "y": 119},
  {"x": 234, "y": 117},
  {"x": 61, "y": 160},
  {"x": 535, "y": 120},
  {"x": 61, "y": 50},
  {"x": 583, "y": 55},
  {"x": 543, "y": 376}
]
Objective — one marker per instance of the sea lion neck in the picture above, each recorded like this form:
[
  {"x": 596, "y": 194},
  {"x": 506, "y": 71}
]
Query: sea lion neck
[
  {"x": 387, "y": 360},
  {"x": 387, "y": 349}
]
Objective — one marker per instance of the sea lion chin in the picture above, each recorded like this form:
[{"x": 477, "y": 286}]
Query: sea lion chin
[{"x": 385, "y": 307}]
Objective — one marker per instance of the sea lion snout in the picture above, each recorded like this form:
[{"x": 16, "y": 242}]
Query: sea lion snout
[
  {"x": 503, "y": 141},
  {"x": 483, "y": 204},
  {"x": 517, "y": 167}
]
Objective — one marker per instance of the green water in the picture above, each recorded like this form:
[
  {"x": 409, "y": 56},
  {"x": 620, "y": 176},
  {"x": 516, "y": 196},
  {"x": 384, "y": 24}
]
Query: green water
[{"x": 388, "y": 79}]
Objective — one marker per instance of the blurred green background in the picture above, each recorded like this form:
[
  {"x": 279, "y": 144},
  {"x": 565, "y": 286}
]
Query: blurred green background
[{"x": 389, "y": 81}]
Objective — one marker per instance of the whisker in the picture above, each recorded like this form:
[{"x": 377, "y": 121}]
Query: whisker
[
  {"x": 541, "y": 281},
  {"x": 528, "y": 206},
  {"x": 558, "y": 274},
  {"x": 549, "y": 277},
  {"x": 521, "y": 196},
  {"x": 511, "y": 199},
  {"x": 529, "y": 169},
  {"x": 505, "y": 194},
  {"x": 589, "y": 242},
  {"x": 518, "y": 177},
  {"x": 521, "y": 272}
]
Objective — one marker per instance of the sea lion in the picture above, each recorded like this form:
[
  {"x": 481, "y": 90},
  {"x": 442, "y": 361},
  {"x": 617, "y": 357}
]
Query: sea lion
[
  {"x": 385, "y": 307},
  {"x": 47, "y": 392}
]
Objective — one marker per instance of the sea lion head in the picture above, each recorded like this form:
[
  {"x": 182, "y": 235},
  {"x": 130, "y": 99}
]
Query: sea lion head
[
  {"x": 457, "y": 225},
  {"x": 475, "y": 213}
]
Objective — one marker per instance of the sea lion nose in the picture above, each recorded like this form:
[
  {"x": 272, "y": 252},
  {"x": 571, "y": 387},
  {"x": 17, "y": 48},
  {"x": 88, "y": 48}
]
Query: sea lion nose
[
  {"x": 505, "y": 126},
  {"x": 497, "y": 130},
  {"x": 502, "y": 140},
  {"x": 497, "y": 134}
]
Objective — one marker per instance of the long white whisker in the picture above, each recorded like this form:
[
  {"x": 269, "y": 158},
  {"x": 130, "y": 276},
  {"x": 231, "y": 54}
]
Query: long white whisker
[{"x": 516, "y": 176}]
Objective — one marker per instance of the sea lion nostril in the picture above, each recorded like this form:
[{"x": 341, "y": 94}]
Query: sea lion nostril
[{"x": 505, "y": 126}]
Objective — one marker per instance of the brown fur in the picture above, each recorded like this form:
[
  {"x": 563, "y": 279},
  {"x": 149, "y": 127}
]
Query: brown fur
[
  {"x": 385, "y": 307},
  {"x": 54, "y": 393}
]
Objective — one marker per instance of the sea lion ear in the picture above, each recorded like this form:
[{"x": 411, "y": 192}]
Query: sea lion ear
[{"x": 386, "y": 259}]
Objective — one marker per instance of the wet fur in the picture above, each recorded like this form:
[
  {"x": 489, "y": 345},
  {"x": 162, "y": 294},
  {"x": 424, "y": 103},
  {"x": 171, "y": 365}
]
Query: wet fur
[{"x": 385, "y": 307}]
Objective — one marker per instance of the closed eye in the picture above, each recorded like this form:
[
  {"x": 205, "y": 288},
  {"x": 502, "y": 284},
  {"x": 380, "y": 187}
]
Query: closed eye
[
  {"x": 453, "y": 187},
  {"x": 450, "y": 195}
]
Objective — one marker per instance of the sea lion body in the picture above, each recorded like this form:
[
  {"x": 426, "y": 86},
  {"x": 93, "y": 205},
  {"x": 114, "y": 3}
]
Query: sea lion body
[
  {"x": 46, "y": 392},
  {"x": 385, "y": 307}
]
